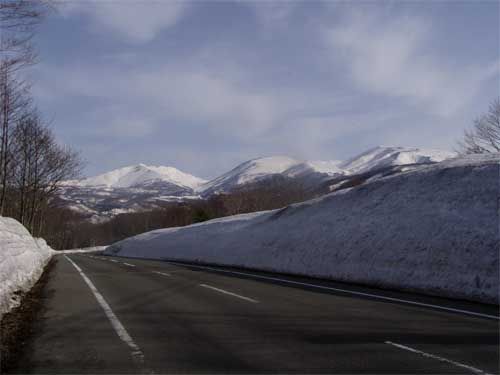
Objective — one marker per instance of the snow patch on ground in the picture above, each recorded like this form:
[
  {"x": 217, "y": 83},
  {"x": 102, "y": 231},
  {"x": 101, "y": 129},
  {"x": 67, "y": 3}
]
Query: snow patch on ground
[
  {"x": 22, "y": 260},
  {"x": 433, "y": 230}
]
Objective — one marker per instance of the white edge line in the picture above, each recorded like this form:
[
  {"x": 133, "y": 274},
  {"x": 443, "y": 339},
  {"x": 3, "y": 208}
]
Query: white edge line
[
  {"x": 343, "y": 291},
  {"x": 433, "y": 356},
  {"x": 229, "y": 293},
  {"x": 120, "y": 330},
  {"x": 162, "y": 273}
]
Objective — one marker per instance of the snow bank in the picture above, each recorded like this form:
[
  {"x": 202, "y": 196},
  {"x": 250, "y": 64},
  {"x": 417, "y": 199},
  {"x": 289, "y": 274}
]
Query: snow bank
[
  {"x": 85, "y": 250},
  {"x": 22, "y": 259},
  {"x": 433, "y": 230}
]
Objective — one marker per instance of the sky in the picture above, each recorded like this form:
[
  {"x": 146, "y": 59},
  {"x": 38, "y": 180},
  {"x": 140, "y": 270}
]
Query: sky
[{"x": 203, "y": 86}]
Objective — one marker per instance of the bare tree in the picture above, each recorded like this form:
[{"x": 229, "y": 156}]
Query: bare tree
[
  {"x": 484, "y": 137},
  {"x": 41, "y": 164},
  {"x": 18, "y": 20},
  {"x": 14, "y": 104}
]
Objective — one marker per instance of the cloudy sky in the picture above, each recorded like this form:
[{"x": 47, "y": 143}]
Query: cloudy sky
[{"x": 205, "y": 85}]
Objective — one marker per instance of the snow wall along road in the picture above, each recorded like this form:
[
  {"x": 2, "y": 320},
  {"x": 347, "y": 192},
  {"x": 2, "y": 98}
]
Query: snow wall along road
[
  {"x": 22, "y": 260},
  {"x": 433, "y": 230}
]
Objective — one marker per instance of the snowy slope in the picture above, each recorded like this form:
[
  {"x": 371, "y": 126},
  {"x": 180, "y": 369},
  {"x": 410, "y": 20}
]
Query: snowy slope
[
  {"x": 138, "y": 175},
  {"x": 22, "y": 259},
  {"x": 433, "y": 230},
  {"x": 380, "y": 157}
]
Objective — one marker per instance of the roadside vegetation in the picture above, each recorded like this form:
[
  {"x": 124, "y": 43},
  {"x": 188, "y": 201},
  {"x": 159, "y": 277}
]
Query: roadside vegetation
[{"x": 32, "y": 161}]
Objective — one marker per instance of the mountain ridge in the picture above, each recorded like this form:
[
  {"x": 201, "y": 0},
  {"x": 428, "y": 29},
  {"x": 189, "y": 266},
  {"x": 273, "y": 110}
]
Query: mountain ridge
[
  {"x": 142, "y": 187},
  {"x": 130, "y": 176}
]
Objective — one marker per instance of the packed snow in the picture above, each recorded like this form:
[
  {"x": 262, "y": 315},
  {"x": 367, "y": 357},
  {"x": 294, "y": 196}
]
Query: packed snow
[
  {"x": 434, "y": 230},
  {"x": 92, "y": 249},
  {"x": 22, "y": 260}
]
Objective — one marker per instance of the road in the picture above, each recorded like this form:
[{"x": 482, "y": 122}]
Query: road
[{"x": 115, "y": 315}]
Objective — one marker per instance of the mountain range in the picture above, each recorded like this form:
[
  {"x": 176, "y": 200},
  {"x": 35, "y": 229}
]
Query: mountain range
[{"x": 143, "y": 187}]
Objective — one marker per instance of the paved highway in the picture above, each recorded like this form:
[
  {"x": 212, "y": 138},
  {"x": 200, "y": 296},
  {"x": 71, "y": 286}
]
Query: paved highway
[{"x": 115, "y": 315}]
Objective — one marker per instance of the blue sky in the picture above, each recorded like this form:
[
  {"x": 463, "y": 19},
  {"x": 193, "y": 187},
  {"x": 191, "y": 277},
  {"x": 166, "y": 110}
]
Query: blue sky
[{"x": 203, "y": 85}]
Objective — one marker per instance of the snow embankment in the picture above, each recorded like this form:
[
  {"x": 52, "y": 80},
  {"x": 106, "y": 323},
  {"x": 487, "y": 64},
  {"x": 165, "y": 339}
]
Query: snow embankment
[
  {"x": 22, "y": 260},
  {"x": 84, "y": 250},
  {"x": 433, "y": 230}
]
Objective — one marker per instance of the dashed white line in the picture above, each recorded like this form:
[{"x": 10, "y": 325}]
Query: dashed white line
[
  {"x": 128, "y": 264},
  {"x": 114, "y": 261},
  {"x": 229, "y": 293},
  {"x": 433, "y": 356},
  {"x": 137, "y": 354},
  {"x": 162, "y": 273},
  {"x": 376, "y": 296}
]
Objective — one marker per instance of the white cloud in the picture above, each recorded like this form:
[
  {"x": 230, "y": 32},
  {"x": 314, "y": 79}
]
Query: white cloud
[
  {"x": 391, "y": 56},
  {"x": 209, "y": 98},
  {"x": 137, "y": 21},
  {"x": 169, "y": 94}
]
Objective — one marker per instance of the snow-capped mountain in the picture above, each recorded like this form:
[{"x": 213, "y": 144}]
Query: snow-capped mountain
[
  {"x": 139, "y": 176},
  {"x": 143, "y": 187},
  {"x": 261, "y": 169},
  {"x": 315, "y": 172},
  {"x": 127, "y": 189}
]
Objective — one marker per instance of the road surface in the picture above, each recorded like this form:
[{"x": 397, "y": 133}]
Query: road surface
[{"x": 116, "y": 315}]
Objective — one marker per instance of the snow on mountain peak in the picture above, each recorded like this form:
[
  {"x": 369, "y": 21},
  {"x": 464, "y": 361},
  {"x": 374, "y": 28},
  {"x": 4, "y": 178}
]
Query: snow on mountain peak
[
  {"x": 139, "y": 174},
  {"x": 250, "y": 171},
  {"x": 255, "y": 168},
  {"x": 329, "y": 167},
  {"x": 381, "y": 156}
]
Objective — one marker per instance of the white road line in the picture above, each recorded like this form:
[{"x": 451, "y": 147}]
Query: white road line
[
  {"x": 162, "y": 273},
  {"x": 377, "y": 296},
  {"x": 128, "y": 264},
  {"x": 137, "y": 354},
  {"x": 229, "y": 293},
  {"x": 442, "y": 359}
]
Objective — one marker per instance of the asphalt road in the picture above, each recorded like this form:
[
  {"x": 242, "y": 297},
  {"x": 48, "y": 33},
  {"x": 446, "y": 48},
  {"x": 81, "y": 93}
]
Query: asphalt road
[{"x": 117, "y": 315}]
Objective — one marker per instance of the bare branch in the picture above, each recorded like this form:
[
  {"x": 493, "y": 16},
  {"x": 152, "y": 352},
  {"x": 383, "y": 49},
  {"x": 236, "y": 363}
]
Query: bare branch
[{"x": 484, "y": 137}]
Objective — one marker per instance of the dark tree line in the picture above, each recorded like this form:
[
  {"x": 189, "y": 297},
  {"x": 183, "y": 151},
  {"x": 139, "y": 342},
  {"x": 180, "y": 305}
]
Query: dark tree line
[{"x": 65, "y": 229}]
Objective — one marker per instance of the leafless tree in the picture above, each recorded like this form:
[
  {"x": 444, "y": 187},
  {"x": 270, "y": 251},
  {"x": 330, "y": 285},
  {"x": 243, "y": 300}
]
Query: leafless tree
[
  {"x": 14, "y": 105},
  {"x": 484, "y": 137},
  {"x": 41, "y": 164},
  {"x": 18, "y": 20}
]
